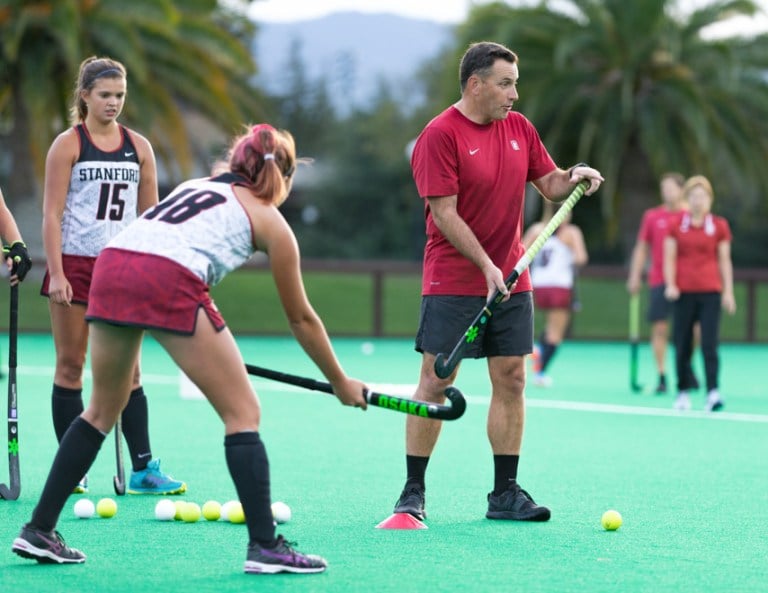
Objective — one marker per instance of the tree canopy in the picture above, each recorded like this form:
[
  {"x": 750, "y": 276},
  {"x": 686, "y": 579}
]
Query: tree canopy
[
  {"x": 182, "y": 57},
  {"x": 636, "y": 89}
]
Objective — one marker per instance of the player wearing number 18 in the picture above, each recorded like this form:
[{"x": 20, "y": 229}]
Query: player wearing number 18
[
  {"x": 155, "y": 276},
  {"x": 98, "y": 176}
]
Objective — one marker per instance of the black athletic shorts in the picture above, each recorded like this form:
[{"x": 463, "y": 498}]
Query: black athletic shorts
[
  {"x": 445, "y": 319},
  {"x": 659, "y": 309}
]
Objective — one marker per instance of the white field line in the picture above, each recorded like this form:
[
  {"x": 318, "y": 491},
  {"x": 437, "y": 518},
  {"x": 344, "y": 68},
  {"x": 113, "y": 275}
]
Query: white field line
[{"x": 407, "y": 389}]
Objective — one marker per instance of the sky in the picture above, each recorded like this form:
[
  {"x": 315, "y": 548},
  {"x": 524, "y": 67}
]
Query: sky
[{"x": 444, "y": 11}]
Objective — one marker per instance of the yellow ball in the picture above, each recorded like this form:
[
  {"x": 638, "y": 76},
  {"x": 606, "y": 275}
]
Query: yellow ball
[
  {"x": 106, "y": 508},
  {"x": 190, "y": 513},
  {"x": 236, "y": 513},
  {"x": 611, "y": 520},
  {"x": 180, "y": 504},
  {"x": 212, "y": 510}
]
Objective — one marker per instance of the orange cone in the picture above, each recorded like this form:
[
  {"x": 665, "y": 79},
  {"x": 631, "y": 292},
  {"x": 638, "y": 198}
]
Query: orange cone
[{"x": 401, "y": 521}]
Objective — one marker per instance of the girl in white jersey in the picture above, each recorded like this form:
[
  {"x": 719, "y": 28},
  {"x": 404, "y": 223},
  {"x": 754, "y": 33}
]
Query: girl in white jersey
[
  {"x": 98, "y": 176},
  {"x": 553, "y": 273},
  {"x": 155, "y": 277}
]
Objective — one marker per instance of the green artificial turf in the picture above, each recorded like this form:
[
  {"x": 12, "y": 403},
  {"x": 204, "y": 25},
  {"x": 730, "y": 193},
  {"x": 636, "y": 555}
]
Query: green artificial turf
[{"x": 690, "y": 486}]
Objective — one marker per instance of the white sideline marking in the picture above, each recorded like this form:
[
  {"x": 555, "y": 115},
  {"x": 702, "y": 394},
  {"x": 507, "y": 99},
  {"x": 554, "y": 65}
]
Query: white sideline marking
[
  {"x": 407, "y": 389},
  {"x": 628, "y": 410}
]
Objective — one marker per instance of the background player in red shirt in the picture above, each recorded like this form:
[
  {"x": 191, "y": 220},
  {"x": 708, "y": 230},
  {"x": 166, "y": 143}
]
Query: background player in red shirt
[
  {"x": 471, "y": 164},
  {"x": 699, "y": 276},
  {"x": 650, "y": 245}
]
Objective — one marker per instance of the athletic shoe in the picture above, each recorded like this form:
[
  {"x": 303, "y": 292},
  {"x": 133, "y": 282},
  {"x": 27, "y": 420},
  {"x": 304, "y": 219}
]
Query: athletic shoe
[
  {"x": 411, "y": 501},
  {"x": 47, "y": 547},
  {"x": 281, "y": 558},
  {"x": 536, "y": 359},
  {"x": 151, "y": 480},
  {"x": 682, "y": 401},
  {"x": 82, "y": 486},
  {"x": 714, "y": 403},
  {"x": 661, "y": 388},
  {"x": 515, "y": 504},
  {"x": 542, "y": 380}
]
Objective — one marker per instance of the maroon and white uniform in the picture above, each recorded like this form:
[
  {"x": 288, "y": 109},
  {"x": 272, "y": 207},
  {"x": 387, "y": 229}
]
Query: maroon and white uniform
[
  {"x": 552, "y": 275},
  {"x": 156, "y": 274},
  {"x": 102, "y": 199}
]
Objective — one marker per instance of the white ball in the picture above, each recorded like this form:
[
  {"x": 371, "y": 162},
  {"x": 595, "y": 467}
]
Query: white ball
[
  {"x": 281, "y": 512},
  {"x": 225, "y": 509},
  {"x": 367, "y": 348},
  {"x": 165, "y": 510},
  {"x": 84, "y": 508}
]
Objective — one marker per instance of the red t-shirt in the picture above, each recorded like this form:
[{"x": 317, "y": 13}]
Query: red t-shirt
[
  {"x": 487, "y": 167},
  {"x": 698, "y": 267},
  {"x": 653, "y": 230}
]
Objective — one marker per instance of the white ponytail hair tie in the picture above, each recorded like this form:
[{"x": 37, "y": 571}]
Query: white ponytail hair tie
[{"x": 270, "y": 156}]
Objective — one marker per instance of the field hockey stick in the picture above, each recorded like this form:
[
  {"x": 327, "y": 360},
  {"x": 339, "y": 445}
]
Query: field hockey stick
[
  {"x": 388, "y": 402},
  {"x": 634, "y": 339},
  {"x": 12, "y": 491},
  {"x": 445, "y": 366},
  {"x": 118, "y": 481}
]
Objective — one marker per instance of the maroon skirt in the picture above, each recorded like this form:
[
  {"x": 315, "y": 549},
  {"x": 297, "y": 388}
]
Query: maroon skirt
[{"x": 148, "y": 291}]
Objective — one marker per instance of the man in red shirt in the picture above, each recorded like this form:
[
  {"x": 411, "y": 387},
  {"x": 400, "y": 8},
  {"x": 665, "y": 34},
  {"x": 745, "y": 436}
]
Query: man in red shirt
[
  {"x": 699, "y": 276},
  {"x": 650, "y": 243},
  {"x": 471, "y": 164}
]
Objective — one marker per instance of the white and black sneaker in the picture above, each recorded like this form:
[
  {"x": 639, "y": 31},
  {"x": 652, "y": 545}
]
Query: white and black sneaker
[
  {"x": 682, "y": 402},
  {"x": 47, "y": 547},
  {"x": 714, "y": 402}
]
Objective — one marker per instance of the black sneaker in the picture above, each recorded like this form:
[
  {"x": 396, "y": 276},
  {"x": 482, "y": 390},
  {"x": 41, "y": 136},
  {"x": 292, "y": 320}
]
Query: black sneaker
[
  {"x": 411, "y": 501},
  {"x": 281, "y": 558},
  {"x": 515, "y": 504},
  {"x": 661, "y": 388},
  {"x": 47, "y": 547}
]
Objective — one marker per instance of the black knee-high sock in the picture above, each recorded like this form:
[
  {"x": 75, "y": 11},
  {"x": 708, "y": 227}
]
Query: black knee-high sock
[
  {"x": 416, "y": 468},
  {"x": 79, "y": 447},
  {"x": 66, "y": 405},
  {"x": 547, "y": 353},
  {"x": 504, "y": 472},
  {"x": 249, "y": 467},
  {"x": 136, "y": 429}
]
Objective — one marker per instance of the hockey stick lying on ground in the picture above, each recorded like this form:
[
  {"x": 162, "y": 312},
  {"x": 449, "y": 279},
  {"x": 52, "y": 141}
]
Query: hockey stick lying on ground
[
  {"x": 445, "y": 366},
  {"x": 12, "y": 491},
  {"x": 389, "y": 402},
  {"x": 634, "y": 338},
  {"x": 118, "y": 481}
]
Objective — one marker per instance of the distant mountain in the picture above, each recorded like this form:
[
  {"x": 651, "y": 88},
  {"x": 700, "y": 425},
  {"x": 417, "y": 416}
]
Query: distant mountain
[{"x": 351, "y": 51}]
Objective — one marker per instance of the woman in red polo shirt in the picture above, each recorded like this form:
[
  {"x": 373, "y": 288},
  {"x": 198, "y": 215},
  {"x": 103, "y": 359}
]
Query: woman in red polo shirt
[{"x": 699, "y": 280}]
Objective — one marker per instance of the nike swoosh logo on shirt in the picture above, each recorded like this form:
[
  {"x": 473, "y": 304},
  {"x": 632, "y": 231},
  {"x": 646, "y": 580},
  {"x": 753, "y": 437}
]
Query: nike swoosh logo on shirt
[
  {"x": 127, "y": 154},
  {"x": 473, "y": 152}
]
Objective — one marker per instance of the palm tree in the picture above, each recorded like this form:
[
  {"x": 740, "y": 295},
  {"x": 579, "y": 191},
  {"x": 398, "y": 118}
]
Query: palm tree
[
  {"x": 637, "y": 89},
  {"x": 182, "y": 57}
]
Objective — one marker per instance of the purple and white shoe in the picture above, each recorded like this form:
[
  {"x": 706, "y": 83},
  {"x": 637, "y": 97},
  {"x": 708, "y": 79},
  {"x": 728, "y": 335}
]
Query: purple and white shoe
[{"x": 281, "y": 558}]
